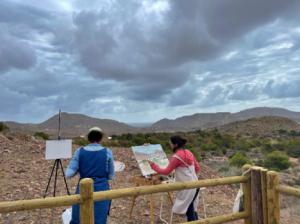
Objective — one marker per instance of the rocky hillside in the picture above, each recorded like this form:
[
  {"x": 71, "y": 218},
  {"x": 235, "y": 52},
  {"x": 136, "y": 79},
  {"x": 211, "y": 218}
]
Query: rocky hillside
[
  {"x": 263, "y": 126},
  {"x": 25, "y": 172},
  {"x": 211, "y": 120}
]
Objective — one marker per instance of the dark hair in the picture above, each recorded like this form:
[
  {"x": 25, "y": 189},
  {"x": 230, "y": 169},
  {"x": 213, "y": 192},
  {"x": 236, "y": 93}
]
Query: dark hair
[
  {"x": 95, "y": 136},
  {"x": 178, "y": 141}
]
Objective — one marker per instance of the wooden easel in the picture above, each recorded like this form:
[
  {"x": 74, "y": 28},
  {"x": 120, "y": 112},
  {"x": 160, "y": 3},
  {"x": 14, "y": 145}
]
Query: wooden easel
[{"x": 142, "y": 181}]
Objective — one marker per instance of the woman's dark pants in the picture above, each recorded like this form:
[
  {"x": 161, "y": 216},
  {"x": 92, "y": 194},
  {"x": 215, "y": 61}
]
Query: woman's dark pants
[{"x": 190, "y": 213}]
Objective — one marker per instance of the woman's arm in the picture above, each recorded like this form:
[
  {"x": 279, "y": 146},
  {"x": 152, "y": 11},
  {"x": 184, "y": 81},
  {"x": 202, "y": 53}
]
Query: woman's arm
[
  {"x": 111, "y": 166},
  {"x": 173, "y": 164},
  {"x": 73, "y": 165}
]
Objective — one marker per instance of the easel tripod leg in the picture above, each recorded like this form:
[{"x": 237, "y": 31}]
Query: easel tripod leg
[
  {"x": 151, "y": 202},
  {"x": 49, "y": 179},
  {"x": 62, "y": 170},
  {"x": 170, "y": 197},
  {"x": 132, "y": 206},
  {"x": 57, "y": 164}
]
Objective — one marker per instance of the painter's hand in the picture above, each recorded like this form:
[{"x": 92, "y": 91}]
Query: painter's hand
[{"x": 150, "y": 162}]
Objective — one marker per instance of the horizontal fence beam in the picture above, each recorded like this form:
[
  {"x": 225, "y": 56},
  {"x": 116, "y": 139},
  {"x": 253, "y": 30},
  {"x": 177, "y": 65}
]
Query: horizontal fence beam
[
  {"x": 221, "y": 218},
  {"x": 22, "y": 205},
  {"x": 51, "y": 202},
  {"x": 289, "y": 190},
  {"x": 136, "y": 191}
]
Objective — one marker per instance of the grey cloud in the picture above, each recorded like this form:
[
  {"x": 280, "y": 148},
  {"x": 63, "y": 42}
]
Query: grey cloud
[
  {"x": 29, "y": 33},
  {"x": 121, "y": 51},
  {"x": 11, "y": 101},
  {"x": 231, "y": 18},
  {"x": 23, "y": 15},
  {"x": 214, "y": 95},
  {"x": 187, "y": 94},
  {"x": 15, "y": 53},
  {"x": 244, "y": 92},
  {"x": 50, "y": 91},
  {"x": 283, "y": 89},
  {"x": 117, "y": 44}
]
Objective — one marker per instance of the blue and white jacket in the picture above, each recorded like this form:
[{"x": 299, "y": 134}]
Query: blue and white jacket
[{"x": 74, "y": 163}]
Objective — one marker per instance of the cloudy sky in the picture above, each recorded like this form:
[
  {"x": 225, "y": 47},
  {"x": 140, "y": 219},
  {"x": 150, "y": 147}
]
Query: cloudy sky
[{"x": 140, "y": 61}]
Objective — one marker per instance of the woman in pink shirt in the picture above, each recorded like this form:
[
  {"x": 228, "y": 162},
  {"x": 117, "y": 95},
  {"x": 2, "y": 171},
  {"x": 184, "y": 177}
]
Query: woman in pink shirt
[{"x": 186, "y": 168}]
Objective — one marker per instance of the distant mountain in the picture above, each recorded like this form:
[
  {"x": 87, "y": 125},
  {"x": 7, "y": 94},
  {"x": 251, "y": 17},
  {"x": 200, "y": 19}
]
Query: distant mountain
[
  {"x": 210, "y": 120},
  {"x": 193, "y": 122},
  {"x": 140, "y": 125},
  {"x": 267, "y": 111},
  {"x": 78, "y": 124},
  {"x": 73, "y": 125},
  {"x": 262, "y": 126}
]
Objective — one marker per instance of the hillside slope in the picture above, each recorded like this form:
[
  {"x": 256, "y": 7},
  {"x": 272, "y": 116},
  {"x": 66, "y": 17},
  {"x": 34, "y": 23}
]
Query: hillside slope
[
  {"x": 26, "y": 172},
  {"x": 211, "y": 120},
  {"x": 73, "y": 125},
  {"x": 263, "y": 126}
]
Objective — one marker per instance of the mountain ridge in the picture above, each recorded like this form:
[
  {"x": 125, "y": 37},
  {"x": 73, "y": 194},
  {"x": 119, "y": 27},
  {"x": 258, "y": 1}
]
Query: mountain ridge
[
  {"x": 73, "y": 124},
  {"x": 210, "y": 120}
]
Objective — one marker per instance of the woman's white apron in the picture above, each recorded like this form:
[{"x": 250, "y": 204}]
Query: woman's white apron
[{"x": 185, "y": 197}]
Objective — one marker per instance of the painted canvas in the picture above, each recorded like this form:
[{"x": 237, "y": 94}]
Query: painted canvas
[{"x": 154, "y": 153}]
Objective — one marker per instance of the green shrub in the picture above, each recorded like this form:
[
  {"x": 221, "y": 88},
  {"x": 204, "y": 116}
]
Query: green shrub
[
  {"x": 294, "y": 133},
  {"x": 209, "y": 147},
  {"x": 277, "y": 161},
  {"x": 195, "y": 152},
  {"x": 239, "y": 160},
  {"x": 281, "y": 146},
  {"x": 282, "y": 132},
  {"x": 293, "y": 148},
  {"x": 138, "y": 140},
  {"x": 3, "y": 127},
  {"x": 42, "y": 135},
  {"x": 294, "y": 152},
  {"x": 80, "y": 141},
  {"x": 243, "y": 145},
  {"x": 268, "y": 147},
  {"x": 228, "y": 141}
]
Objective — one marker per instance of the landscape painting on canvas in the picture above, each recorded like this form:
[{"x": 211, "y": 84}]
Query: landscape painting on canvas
[{"x": 154, "y": 153}]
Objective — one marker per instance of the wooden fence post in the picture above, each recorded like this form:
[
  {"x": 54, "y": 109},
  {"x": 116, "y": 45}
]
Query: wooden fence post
[
  {"x": 256, "y": 196},
  {"x": 247, "y": 194},
  {"x": 273, "y": 198},
  {"x": 263, "y": 173},
  {"x": 87, "y": 205}
]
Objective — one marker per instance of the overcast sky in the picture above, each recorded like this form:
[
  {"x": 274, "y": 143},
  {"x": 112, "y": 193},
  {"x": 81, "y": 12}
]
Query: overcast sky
[{"x": 141, "y": 61}]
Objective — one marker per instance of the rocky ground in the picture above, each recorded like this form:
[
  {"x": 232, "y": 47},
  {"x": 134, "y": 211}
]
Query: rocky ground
[{"x": 24, "y": 174}]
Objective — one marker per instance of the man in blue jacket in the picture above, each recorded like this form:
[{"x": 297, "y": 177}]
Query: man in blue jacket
[{"x": 96, "y": 162}]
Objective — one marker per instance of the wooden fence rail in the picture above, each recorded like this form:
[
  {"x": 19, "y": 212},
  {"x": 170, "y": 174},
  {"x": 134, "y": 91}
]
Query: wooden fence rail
[
  {"x": 136, "y": 191},
  {"x": 221, "y": 218},
  {"x": 292, "y": 191},
  {"x": 51, "y": 202},
  {"x": 86, "y": 198},
  {"x": 261, "y": 197}
]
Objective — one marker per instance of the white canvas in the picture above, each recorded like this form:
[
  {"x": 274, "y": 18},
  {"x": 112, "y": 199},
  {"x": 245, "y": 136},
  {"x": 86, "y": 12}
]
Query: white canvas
[
  {"x": 154, "y": 153},
  {"x": 58, "y": 149}
]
